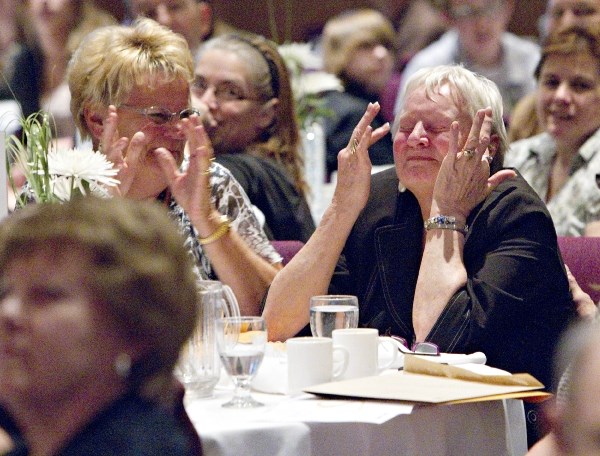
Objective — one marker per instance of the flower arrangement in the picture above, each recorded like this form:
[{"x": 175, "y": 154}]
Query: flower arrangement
[
  {"x": 308, "y": 82},
  {"x": 54, "y": 174}
]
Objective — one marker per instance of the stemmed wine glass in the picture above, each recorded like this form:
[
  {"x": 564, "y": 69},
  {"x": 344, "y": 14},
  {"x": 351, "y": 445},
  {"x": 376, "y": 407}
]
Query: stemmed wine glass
[
  {"x": 329, "y": 312},
  {"x": 241, "y": 343}
]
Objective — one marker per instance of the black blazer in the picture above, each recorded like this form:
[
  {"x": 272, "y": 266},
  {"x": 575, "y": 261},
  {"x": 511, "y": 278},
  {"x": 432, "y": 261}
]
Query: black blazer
[{"x": 516, "y": 301}]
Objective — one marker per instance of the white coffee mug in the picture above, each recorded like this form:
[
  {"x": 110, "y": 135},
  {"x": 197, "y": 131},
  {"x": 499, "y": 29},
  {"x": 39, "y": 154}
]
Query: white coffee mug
[
  {"x": 313, "y": 360},
  {"x": 363, "y": 349}
]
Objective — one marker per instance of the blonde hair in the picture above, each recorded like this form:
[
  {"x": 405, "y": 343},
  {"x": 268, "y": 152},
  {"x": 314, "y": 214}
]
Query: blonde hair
[
  {"x": 112, "y": 60},
  {"x": 270, "y": 77},
  {"x": 470, "y": 92},
  {"x": 140, "y": 272},
  {"x": 345, "y": 33}
]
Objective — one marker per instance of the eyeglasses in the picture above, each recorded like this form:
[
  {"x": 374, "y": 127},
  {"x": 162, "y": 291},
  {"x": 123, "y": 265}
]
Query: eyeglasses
[
  {"x": 418, "y": 348},
  {"x": 161, "y": 116},
  {"x": 223, "y": 92}
]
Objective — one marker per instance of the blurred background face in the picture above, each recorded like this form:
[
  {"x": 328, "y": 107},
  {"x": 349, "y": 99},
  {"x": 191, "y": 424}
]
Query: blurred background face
[
  {"x": 186, "y": 17},
  {"x": 566, "y": 13},
  {"x": 54, "y": 14},
  {"x": 480, "y": 25},
  {"x": 223, "y": 84},
  {"x": 569, "y": 97},
  {"x": 370, "y": 65}
]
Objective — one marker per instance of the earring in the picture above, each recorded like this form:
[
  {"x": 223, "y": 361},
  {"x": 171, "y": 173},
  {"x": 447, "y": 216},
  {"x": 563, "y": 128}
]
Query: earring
[{"x": 122, "y": 365}]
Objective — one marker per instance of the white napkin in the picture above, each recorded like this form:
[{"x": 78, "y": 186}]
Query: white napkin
[{"x": 272, "y": 376}]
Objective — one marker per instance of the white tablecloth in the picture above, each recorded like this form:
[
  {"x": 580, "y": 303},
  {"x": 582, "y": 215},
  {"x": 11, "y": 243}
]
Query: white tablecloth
[{"x": 306, "y": 425}]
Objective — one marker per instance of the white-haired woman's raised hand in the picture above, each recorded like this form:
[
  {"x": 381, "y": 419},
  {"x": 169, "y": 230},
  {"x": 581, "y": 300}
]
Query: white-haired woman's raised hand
[
  {"x": 464, "y": 178},
  {"x": 354, "y": 165}
]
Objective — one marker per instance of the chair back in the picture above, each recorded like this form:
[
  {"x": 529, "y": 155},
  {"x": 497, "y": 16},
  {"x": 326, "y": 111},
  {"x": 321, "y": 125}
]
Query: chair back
[
  {"x": 287, "y": 249},
  {"x": 582, "y": 255}
]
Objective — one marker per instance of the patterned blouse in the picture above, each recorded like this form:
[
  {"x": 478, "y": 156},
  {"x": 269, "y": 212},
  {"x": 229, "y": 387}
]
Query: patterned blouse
[
  {"x": 577, "y": 203},
  {"x": 230, "y": 199}
]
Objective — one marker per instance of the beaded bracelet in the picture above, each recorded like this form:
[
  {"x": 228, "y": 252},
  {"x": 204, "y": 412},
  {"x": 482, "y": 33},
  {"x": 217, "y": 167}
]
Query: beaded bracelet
[{"x": 444, "y": 222}]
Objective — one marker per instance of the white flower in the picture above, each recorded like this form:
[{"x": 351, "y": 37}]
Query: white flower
[
  {"x": 301, "y": 54},
  {"x": 315, "y": 82},
  {"x": 72, "y": 170},
  {"x": 308, "y": 81}
]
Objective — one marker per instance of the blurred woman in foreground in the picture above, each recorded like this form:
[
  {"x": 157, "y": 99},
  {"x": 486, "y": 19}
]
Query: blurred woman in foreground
[{"x": 97, "y": 296}]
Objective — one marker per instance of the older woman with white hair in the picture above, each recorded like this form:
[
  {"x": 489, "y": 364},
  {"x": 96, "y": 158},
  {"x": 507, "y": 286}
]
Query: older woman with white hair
[{"x": 448, "y": 248}]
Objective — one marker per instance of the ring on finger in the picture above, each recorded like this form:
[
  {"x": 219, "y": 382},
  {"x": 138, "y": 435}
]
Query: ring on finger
[
  {"x": 488, "y": 158},
  {"x": 468, "y": 153},
  {"x": 353, "y": 146}
]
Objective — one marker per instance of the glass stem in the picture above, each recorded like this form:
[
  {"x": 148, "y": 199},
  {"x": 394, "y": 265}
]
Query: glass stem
[{"x": 242, "y": 389}]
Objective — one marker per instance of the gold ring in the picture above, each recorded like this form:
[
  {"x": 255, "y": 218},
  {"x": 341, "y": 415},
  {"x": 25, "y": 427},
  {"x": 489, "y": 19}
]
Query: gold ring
[
  {"x": 468, "y": 153},
  {"x": 353, "y": 146}
]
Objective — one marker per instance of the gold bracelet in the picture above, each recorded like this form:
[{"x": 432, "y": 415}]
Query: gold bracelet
[{"x": 222, "y": 230}]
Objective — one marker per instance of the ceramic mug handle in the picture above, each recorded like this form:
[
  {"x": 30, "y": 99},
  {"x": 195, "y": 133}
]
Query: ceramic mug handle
[{"x": 339, "y": 366}]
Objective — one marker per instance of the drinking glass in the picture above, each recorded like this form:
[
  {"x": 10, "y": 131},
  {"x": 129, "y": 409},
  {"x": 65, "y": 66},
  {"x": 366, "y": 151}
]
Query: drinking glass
[
  {"x": 241, "y": 343},
  {"x": 329, "y": 312}
]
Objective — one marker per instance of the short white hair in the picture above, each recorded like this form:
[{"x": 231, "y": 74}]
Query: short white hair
[{"x": 470, "y": 91}]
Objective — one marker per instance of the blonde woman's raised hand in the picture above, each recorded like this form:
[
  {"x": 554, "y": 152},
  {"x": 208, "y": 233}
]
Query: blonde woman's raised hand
[
  {"x": 191, "y": 187},
  {"x": 123, "y": 152}
]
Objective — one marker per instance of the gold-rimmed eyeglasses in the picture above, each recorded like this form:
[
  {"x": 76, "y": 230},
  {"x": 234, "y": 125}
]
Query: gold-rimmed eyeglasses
[{"x": 161, "y": 116}]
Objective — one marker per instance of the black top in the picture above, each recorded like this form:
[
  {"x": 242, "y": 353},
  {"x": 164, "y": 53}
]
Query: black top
[
  {"x": 130, "y": 426},
  {"x": 516, "y": 301},
  {"x": 287, "y": 214},
  {"x": 26, "y": 80},
  {"x": 348, "y": 108},
  {"x": 515, "y": 304}
]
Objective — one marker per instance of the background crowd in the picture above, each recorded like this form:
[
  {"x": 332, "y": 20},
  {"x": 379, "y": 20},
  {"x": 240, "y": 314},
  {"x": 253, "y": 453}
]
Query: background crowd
[{"x": 491, "y": 139}]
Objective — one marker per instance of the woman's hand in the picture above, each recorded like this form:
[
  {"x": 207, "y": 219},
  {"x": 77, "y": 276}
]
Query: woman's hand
[
  {"x": 191, "y": 188},
  {"x": 464, "y": 178},
  {"x": 354, "y": 165},
  {"x": 581, "y": 300},
  {"x": 124, "y": 153}
]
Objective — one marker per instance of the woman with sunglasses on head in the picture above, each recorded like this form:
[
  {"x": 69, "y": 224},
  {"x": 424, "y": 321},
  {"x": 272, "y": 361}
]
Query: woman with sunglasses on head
[
  {"x": 243, "y": 88},
  {"x": 130, "y": 89}
]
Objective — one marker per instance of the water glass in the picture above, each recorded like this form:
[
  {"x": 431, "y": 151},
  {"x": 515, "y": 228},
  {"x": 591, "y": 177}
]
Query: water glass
[
  {"x": 241, "y": 343},
  {"x": 329, "y": 312}
]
